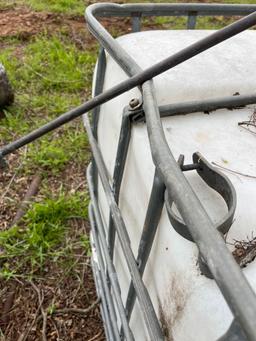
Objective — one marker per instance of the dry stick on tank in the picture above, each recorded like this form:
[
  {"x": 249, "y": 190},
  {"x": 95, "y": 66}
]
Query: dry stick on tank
[
  {"x": 233, "y": 171},
  {"x": 251, "y": 122},
  {"x": 245, "y": 251}
]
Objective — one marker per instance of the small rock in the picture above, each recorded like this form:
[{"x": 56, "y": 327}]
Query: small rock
[{"x": 6, "y": 92}]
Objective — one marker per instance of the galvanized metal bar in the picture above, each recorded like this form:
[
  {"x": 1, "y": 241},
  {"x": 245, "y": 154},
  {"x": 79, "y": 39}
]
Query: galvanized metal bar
[
  {"x": 176, "y": 9},
  {"x": 136, "y": 80},
  {"x": 205, "y": 106},
  {"x": 136, "y": 22},
  {"x": 234, "y": 333},
  {"x": 153, "y": 215},
  {"x": 99, "y": 82},
  {"x": 191, "y": 23},
  {"x": 103, "y": 280},
  {"x": 121, "y": 155},
  {"x": 107, "y": 325},
  {"x": 231, "y": 102},
  {"x": 147, "y": 309},
  {"x": 109, "y": 264}
]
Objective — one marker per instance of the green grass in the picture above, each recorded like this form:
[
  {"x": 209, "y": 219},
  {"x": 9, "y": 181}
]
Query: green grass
[
  {"x": 69, "y": 7},
  {"x": 50, "y": 77},
  {"x": 42, "y": 236}
]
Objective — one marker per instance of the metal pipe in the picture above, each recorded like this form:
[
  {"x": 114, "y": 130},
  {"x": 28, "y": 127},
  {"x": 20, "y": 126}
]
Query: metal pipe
[
  {"x": 153, "y": 215},
  {"x": 207, "y": 106},
  {"x": 107, "y": 324},
  {"x": 152, "y": 9},
  {"x": 121, "y": 155}
]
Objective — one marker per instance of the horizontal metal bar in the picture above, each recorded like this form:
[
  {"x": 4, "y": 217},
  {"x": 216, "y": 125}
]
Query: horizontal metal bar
[
  {"x": 230, "y": 102},
  {"x": 205, "y": 106},
  {"x": 138, "y": 79},
  {"x": 147, "y": 309},
  {"x": 107, "y": 10}
]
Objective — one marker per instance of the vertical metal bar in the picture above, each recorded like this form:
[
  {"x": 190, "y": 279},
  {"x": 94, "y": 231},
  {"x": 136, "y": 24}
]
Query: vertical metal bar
[
  {"x": 99, "y": 82},
  {"x": 152, "y": 219},
  {"x": 109, "y": 264},
  {"x": 234, "y": 333},
  {"x": 109, "y": 299},
  {"x": 147, "y": 308},
  {"x": 122, "y": 150},
  {"x": 136, "y": 22},
  {"x": 191, "y": 23},
  {"x": 103, "y": 303}
]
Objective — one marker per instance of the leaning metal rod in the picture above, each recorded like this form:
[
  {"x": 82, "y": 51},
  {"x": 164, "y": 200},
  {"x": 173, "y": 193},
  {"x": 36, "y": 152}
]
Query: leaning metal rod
[{"x": 138, "y": 79}]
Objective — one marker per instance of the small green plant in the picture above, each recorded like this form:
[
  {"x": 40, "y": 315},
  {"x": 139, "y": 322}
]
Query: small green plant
[
  {"x": 42, "y": 235},
  {"x": 49, "y": 156}
]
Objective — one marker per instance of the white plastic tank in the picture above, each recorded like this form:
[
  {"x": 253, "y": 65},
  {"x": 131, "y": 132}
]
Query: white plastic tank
[{"x": 188, "y": 304}]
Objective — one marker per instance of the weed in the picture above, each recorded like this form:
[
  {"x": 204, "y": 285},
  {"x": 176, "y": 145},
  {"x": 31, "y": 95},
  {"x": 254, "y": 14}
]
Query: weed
[{"x": 42, "y": 235}]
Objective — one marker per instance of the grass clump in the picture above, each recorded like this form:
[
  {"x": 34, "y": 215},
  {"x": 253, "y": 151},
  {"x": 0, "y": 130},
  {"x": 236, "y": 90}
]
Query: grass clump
[
  {"x": 49, "y": 78},
  {"x": 42, "y": 236}
]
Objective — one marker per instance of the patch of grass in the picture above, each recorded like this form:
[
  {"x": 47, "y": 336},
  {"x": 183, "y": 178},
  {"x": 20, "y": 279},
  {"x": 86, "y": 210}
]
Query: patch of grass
[
  {"x": 42, "y": 236},
  {"x": 49, "y": 78},
  {"x": 68, "y": 7},
  {"x": 52, "y": 153}
]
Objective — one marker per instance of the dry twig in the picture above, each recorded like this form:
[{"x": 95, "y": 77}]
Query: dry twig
[
  {"x": 43, "y": 313},
  {"x": 76, "y": 310},
  {"x": 31, "y": 192},
  {"x": 233, "y": 171}
]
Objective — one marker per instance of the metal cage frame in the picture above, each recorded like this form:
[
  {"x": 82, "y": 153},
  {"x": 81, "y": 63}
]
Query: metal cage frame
[
  {"x": 169, "y": 182},
  {"x": 168, "y": 177}
]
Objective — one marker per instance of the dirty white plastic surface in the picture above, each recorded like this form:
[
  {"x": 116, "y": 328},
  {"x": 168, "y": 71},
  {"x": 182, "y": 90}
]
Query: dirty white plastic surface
[{"x": 188, "y": 300}]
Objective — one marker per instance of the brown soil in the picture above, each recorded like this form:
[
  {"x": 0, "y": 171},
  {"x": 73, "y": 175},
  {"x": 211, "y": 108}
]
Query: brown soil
[{"x": 24, "y": 24}]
